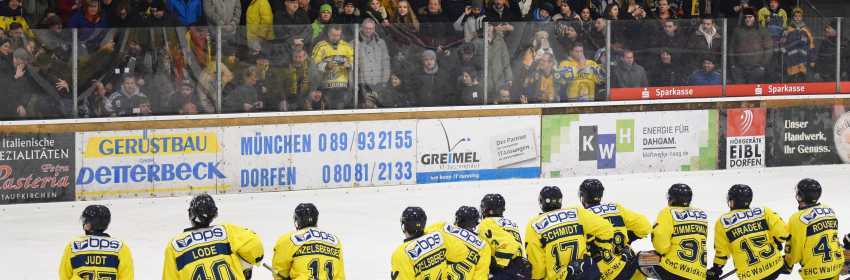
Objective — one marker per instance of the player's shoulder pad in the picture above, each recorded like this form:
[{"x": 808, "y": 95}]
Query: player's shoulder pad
[
  {"x": 423, "y": 245},
  {"x": 605, "y": 209},
  {"x": 313, "y": 235},
  {"x": 505, "y": 223},
  {"x": 688, "y": 215},
  {"x": 469, "y": 237},
  {"x": 815, "y": 213},
  {"x": 554, "y": 218},
  {"x": 734, "y": 218},
  {"x": 90, "y": 243},
  {"x": 196, "y": 237}
]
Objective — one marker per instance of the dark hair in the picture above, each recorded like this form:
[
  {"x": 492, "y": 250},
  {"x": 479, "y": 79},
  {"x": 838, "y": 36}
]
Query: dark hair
[
  {"x": 576, "y": 45},
  {"x": 15, "y": 25},
  {"x": 128, "y": 76},
  {"x": 607, "y": 14},
  {"x": 504, "y": 88}
]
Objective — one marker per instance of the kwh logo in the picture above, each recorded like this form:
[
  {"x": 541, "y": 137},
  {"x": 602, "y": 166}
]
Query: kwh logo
[
  {"x": 603, "y": 148},
  {"x": 450, "y": 157}
]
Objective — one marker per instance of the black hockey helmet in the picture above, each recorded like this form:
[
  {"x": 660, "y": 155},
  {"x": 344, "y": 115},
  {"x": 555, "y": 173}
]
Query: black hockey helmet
[
  {"x": 97, "y": 216},
  {"x": 680, "y": 194},
  {"x": 467, "y": 217},
  {"x": 808, "y": 190},
  {"x": 306, "y": 215},
  {"x": 492, "y": 203},
  {"x": 741, "y": 194},
  {"x": 413, "y": 220},
  {"x": 550, "y": 198},
  {"x": 202, "y": 210},
  {"x": 591, "y": 190}
]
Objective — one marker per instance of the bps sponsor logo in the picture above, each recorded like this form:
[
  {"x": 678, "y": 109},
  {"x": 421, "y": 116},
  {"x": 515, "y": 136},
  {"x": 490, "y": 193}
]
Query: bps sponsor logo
[
  {"x": 94, "y": 243},
  {"x": 555, "y": 218},
  {"x": 815, "y": 213},
  {"x": 505, "y": 223},
  {"x": 424, "y": 245},
  {"x": 604, "y": 209},
  {"x": 465, "y": 235},
  {"x": 469, "y": 159},
  {"x": 689, "y": 215},
  {"x": 603, "y": 148},
  {"x": 313, "y": 234},
  {"x": 148, "y": 145},
  {"x": 189, "y": 239},
  {"x": 745, "y": 142},
  {"x": 734, "y": 218}
]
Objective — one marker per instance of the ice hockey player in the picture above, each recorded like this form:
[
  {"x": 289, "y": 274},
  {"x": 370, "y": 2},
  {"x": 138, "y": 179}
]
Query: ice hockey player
[
  {"x": 467, "y": 256},
  {"x": 814, "y": 241},
  {"x": 206, "y": 251},
  {"x": 507, "y": 262},
  {"x": 297, "y": 254},
  {"x": 557, "y": 240},
  {"x": 628, "y": 227},
  {"x": 753, "y": 236},
  {"x": 96, "y": 255},
  {"x": 421, "y": 256},
  {"x": 679, "y": 236}
]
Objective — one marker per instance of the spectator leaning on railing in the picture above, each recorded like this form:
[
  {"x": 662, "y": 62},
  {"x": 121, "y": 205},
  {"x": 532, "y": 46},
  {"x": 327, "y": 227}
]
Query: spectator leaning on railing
[
  {"x": 122, "y": 102},
  {"x": 16, "y": 90}
]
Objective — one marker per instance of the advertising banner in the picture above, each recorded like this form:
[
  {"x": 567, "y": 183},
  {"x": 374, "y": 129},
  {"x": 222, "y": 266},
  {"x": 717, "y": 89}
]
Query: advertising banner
[
  {"x": 845, "y": 87},
  {"x": 36, "y": 167},
  {"x": 841, "y": 136},
  {"x": 745, "y": 142},
  {"x": 666, "y": 92},
  {"x": 803, "y": 135},
  {"x": 779, "y": 89},
  {"x": 450, "y": 150},
  {"x": 622, "y": 143}
]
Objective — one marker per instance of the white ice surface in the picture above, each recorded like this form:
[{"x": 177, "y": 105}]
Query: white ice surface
[{"x": 367, "y": 219}]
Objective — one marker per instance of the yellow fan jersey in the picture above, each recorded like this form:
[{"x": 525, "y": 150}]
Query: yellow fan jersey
[
  {"x": 96, "y": 256},
  {"x": 623, "y": 220},
  {"x": 309, "y": 253},
  {"x": 420, "y": 258},
  {"x": 814, "y": 243},
  {"x": 467, "y": 256},
  {"x": 214, "y": 252},
  {"x": 503, "y": 237},
  {"x": 582, "y": 80},
  {"x": 748, "y": 235},
  {"x": 679, "y": 236},
  {"x": 325, "y": 52},
  {"x": 557, "y": 237}
]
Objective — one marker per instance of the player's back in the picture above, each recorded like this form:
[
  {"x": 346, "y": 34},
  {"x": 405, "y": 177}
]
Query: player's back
[
  {"x": 420, "y": 258},
  {"x": 96, "y": 256},
  {"x": 679, "y": 235},
  {"x": 622, "y": 220},
  {"x": 214, "y": 252},
  {"x": 504, "y": 239},
  {"x": 814, "y": 242},
  {"x": 467, "y": 256},
  {"x": 309, "y": 253},
  {"x": 748, "y": 235}
]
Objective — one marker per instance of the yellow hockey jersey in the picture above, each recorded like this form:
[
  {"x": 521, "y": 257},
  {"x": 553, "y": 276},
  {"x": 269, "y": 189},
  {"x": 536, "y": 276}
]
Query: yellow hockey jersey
[
  {"x": 748, "y": 235},
  {"x": 467, "y": 256},
  {"x": 582, "y": 80},
  {"x": 503, "y": 237},
  {"x": 420, "y": 258},
  {"x": 309, "y": 253},
  {"x": 557, "y": 237},
  {"x": 623, "y": 220},
  {"x": 814, "y": 243},
  {"x": 325, "y": 52},
  {"x": 679, "y": 236},
  {"x": 96, "y": 256},
  {"x": 214, "y": 252}
]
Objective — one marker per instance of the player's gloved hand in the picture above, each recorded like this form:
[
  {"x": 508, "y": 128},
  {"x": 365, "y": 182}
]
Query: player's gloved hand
[
  {"x": 778, "y": 243},
  {"x": 714, "y": 273},
  {"x": 632, "y": 237},
  {"x": 247, "y": 269},
  {"x": 786, "y": 268},
  {"x": 628, "y": 254},
  {"x": 247, "y": 273}
]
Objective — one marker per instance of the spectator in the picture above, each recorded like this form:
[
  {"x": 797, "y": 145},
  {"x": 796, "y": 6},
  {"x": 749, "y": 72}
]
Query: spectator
[
  {"x": 612, "y": 12},
  {"x": 377, "y": 13},
  {"x": 775, "y": 20},
  {"x": 453, "y": 9},
  {"x": 333, "y": 57},
  {"x": 598, "y": 34},
  {"x": 323, "y": 19},
  {"x": 295, "y": 81},
  {"x": 522, "y": 8},
  {"x": 705, "y": 41},
  {"x": 825, "y": 63},
  {"x": 695, "y": 9},
  {"x": 499, "y": 12},
  {"x": 707, "y": 76},
  {"x": 545, "y": 85},
  {"x": 349, "y": 15},
  {"x": 663, "y": 12},
  {"x": 67, "y": 8},
  {"x": 42, "y": 23},
  {"x": 568, "y": 35},
  {"x": 468, "y": 55},
  {"x": 94, "y": 106},
  {"x": 666, "y": 72},
  {"x": 36, "y": 11},
  {"x": 369, "y": 99},
  {"x": 670, "y": 38},
  {"x": 160, "y": 16},
  {"x": 292, "y": 25},
  {"x": 225, "y": 13},
  {"x": 16, "y": 88},
  {"x": 374, "y": 57},
  {"x": 12, "y": 12},
  {"x": 798, "y": 47},
  {"x": 498, "y": 61},
  {"x": 207, "y": 83},
  {"x": 259, "y": 20},
  {"x": 242, "y": 95},
  {"x": 434, "y": 23},
  {"x": 125, "y": 17},
  {"x": 730, "y": 9},
  {"x": 188, "y": 109},
  {"x": 121, "y": 102},
  {"x": 398, "y": 94},
  {"x": 143, "y": 106},
  {"x": 586, "y": 20},
  {"x": 390, "y": 6},
  {"x": 312, "y": 12},
  {"x": 52, "y": 83},
  {"x": 188, "y": 11},
  {"x": 432, "y": 82},
  {"x": 470, "y": 20},
  {"x": 470, "y": 91},
  {"x": 314, "y": 101},
  {"x": 404, "y": 25},
  {"x": 175, "y": 102},
  {"x": 566, "y": 14},
  {"x": 542, "y": 14},
  {"x": 582, "y": 74},
  {"x": 504, "y": 97},
  {"x": 750, "y": 52},
  {"x": 107, "y": 7},
  {"x": 539, "y": 47},
  {"x": 337, "y": 7},
  {"x": 92, "y": 24},
  {"x": 628, "y": 74},
  {"x": 632, "y": 11},
  {"x": 55, "y": 39},
  {"x": 6, "y": 65}
]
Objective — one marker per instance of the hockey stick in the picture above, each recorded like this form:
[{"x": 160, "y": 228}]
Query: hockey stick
[
  {"x": 267, "y": 266},
  {"x": 721, "y": 277}
]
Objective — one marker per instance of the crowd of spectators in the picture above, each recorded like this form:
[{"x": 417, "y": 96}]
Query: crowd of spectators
[{"x": 149, "y": 57}]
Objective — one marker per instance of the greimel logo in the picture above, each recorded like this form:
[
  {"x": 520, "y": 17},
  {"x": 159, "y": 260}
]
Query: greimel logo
[
  {"x": 603, "y": 148},
  {"x": 449, "y": 157}
]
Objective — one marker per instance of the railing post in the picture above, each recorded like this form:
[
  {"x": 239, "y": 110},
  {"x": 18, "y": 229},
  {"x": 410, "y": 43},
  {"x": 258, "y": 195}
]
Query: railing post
[
  {"x": 838, "y": 57},
  {"x": 74, "y": 64},
  {"x": 356, "y": 65},
  {"x": 218, "y": 85},
  {"x": 608, "y": 60},
  {"x": 724, "y": 50},
  {"x": 486, "y": 43}
]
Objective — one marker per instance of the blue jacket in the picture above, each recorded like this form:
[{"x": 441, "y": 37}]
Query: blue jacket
[
  {"x": 187, "y": 12},
  {"x": 88, "y": 33},
  {"x": 702, "y": 78}
]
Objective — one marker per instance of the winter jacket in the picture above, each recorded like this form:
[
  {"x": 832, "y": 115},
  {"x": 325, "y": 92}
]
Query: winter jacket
[
  {"x": 259, "y": 19},
  {"x": 540, "y": 88},
  {"x": 14, "y": 93},
  {"x": 505, "y": 16},
  {"x": 434, "y": 24},
  {"x": 516, "y": 9},
  {"x": 374, "y": 60},
  {"x": 167, "y": 20},
  {"x": 221, "y": 12},
  {"x": 726, "y": 9},
  {"x": 34, "y": 10},
  {"x": 750, "y": 47},
  {"x": 89, "y": 33},
  {"x": 469, "y": 24},
  {"x": 667, "y": 75},
  {"x": 289, "y": 27},
  {"x": 471, "y": 94},
  {"x": 325, "y": 52},
  {"x": 621, "y": 77},
  {"x": 498, "y": 64},
  {"x": 353, "y": 18},
  {"x": 453, "y": 9},
  {"x": 397, "y": 96},
  {"x": 775, "y": 22},
  {"x": 66, "y": 11},
  {"x": 236, "y": 94},
  {"x": 689, "y": 10},
  {"x": 572, "y": 16},
  {"x": 8, "y": 16},
  {"x": 825, "y": 61},
  {"x": 697, "y": 48},
  {"x": 188, "y": 11},
  {"x": 703, "y": 78},
  {"x": 432, "y": 89},
  {"x": 799, "y": 48},
  {"x": 120, "y": 103}
]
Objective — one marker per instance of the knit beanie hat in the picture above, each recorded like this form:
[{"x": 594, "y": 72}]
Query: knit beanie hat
[
  {"x": 547, "y": 7},
  {"x": 326, "y": 7},
  {"x": 477, "y": 4},
  {"x": 429, "y": 54}
]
